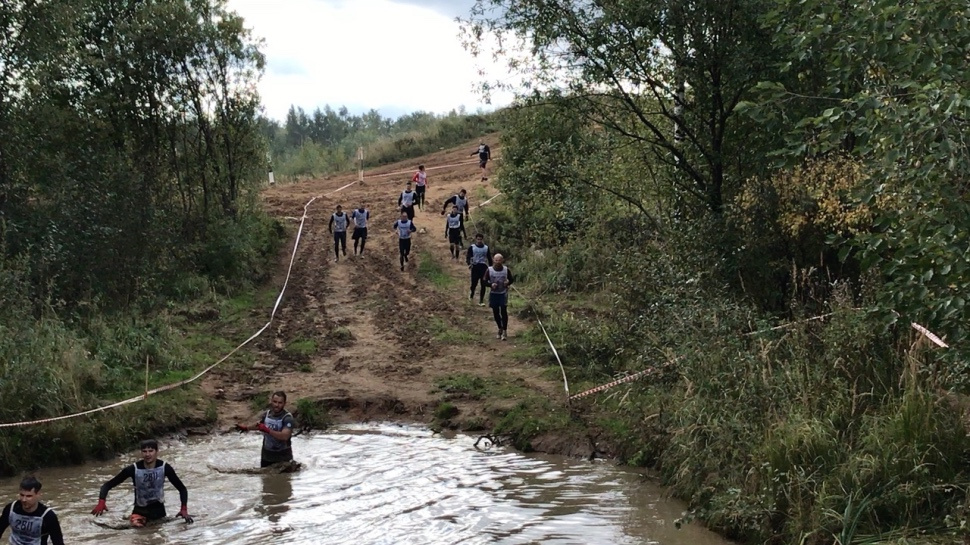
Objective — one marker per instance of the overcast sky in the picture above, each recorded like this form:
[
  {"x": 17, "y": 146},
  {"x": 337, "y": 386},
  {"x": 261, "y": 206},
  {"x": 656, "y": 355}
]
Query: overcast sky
[{"x": 396, "y": 56}]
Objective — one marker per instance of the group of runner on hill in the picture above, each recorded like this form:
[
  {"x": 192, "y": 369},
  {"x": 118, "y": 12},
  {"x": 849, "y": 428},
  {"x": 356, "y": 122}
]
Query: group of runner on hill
[{"x": 33, "y": 523}]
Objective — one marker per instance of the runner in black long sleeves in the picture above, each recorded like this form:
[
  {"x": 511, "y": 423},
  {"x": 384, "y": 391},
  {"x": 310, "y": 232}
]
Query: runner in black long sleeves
[
  {"x": 31, "y": 522},
  {"x": 406, "y": 201},
  {"x": 499, "y": 278},
  {"x": 454, "y": 229},
  {"x": 479, "y": 259},
  {"x": 148, "y": 476},
  {"x": 405, "y": 226},
  {"x": 338, "y": 226},
  {"x": 461, "y": 201},
  {"x": 484, "y": 154}
]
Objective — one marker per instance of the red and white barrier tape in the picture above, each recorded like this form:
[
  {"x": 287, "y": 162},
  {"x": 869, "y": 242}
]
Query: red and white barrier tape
[{"x": 624, "y": 380}]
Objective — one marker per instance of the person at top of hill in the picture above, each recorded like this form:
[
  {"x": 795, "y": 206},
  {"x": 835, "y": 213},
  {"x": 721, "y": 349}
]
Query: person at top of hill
[
  {"x": 338, "y": 227},
  {"x": 499, "y": 278},
  {"x": 404, "y": 226},
  {"x": 276, "y": 425},
  {"x": 360, "y": 216},
  {"x": 461, "y": 201},
  {"x": 420, "y": 180},
  {"x": 479, "y": 259},
  {"x": 148, "y": 476},
  {"x": 30, "y": 522},
  {"x": 484, "y": 154},
  {"x": 454, "y": 229},
  {"x": 406, "y": 201}
]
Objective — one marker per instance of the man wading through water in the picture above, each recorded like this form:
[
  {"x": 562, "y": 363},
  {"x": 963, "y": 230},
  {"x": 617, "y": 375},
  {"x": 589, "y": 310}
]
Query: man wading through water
[
  {"x": 31, "y": 522},
  {"x": 499, "y": 278},
  {"x": 148, "y": 476},
  {"x": 276, "y": 426}
]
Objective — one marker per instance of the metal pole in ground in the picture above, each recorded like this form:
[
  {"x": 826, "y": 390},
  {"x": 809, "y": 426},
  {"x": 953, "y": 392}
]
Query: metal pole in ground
[{"x": 360, "y": 164}]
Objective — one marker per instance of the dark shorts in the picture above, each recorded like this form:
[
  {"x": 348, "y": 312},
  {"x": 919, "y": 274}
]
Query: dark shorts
[
  {"x": 152, "y": 511},
  {"x": 360, "y": 232},
  {"x": 481, "y": 163},
  {"x": 478, "y": 272},
  {"x": 409, "y": 210},
  {"x": 270, "y": 457},
  {"x": 340, "y": 236},
  {"x": 496, "y": 300},
  {"x": 454, "y": 236},
  {"x": 404, "y": 244},
  {"x": 420, "y": 189}
]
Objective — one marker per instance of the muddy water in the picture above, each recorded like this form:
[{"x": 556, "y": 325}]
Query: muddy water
[{"x": 382, "y": 484}]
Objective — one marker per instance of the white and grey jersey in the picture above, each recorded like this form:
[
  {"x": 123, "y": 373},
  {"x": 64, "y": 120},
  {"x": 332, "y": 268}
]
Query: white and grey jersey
[
  {"x": 407, "y": 199},
  {"x": 360, "y": 217},
  {"x": 26, "y": 529},
  {"x": 479, "y": 254},
  {"x": 498, "y": 278},
  {"x": 275, "y": 423},
  {"x": 404, "y": 228},
  {"x": 149, "y": 485},
  {"x": 461, "y": 203},
  {"x": 340, "y": 222},
  {"x": 454, "y": 221}
]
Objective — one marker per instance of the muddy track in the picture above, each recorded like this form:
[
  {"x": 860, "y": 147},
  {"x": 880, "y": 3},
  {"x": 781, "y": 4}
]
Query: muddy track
[{"x": 375, "y": 331}]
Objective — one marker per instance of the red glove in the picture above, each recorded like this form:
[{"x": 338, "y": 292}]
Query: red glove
[
  {"x": 263, "y": 428},
  {"x": 100, "y": 508},
  {"x": 184, "y": 513},
  {"x": 241, "y": 427}
]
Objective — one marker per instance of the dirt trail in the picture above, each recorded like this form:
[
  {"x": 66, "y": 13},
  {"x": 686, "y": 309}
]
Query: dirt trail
[{"x": 381, "y": 337}]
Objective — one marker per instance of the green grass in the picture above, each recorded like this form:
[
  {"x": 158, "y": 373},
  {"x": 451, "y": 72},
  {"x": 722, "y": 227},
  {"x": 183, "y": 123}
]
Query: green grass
[
  {"x": 302, "y": 347},
  {"x": 448, "y": 333},
  {"x": 429, "y": 268},
  {"x": 445, "y": 410},
  {"x": 476, "y": 387}
]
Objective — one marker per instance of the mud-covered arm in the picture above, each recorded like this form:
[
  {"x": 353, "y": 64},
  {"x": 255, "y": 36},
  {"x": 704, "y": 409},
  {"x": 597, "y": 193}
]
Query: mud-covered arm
[
  {"x": 127, "y": 473},
  {"x": 177, "y": 483}
]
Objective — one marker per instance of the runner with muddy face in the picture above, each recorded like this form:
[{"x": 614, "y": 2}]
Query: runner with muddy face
[
  {"x": 148, "y": 476},
  {"x": 31, "y": 522},
  {"x": 276, "y": 425},
  {"x": 404, "y": 227}
]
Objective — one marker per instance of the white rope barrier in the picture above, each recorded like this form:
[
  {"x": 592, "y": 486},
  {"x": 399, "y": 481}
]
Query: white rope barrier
[{"x": 160, "y": 389}]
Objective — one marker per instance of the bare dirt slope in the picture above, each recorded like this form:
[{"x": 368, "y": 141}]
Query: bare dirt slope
[{"x": 381, "y": 338}]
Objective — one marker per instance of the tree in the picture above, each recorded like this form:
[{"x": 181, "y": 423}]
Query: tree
[{"x": 621, "y": 63}]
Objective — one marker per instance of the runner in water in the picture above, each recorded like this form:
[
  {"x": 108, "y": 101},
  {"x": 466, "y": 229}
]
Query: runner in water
[
  {"x": 148, "y": 475},
  {"x": 454, "y": 229},
  {"x": 406, "y": 201},
  {"x": 276, "y": 425},
  {"x": 30, "y": 522},
  {"x": 405, "y": 226},
  {"x": 484, "y": 154},
  {"x": 338, "y": 226},
  {"x": 360, "y": 217},
  {"x": 461, "y": 201},
  {"x": 499, "y": 277},
  {"x": 420, "y": 180},
  {"x": 479, "y": 259}
]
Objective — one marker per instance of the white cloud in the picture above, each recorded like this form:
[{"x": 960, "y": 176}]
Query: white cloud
[{"x": 391, "y": 56}]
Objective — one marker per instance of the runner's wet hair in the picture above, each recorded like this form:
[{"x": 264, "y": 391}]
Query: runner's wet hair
[
  {"x": 148, "y": 443},
  {"x": 30, "y": 483},
  {"x": 279, "y": 393}
]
